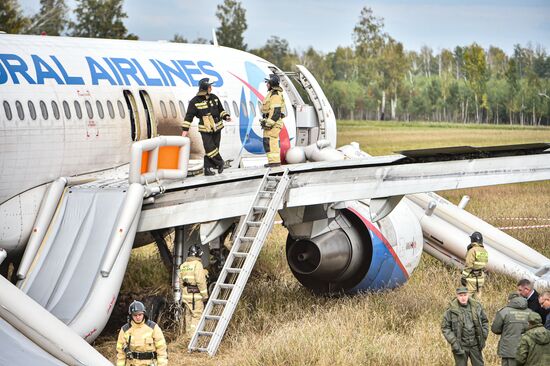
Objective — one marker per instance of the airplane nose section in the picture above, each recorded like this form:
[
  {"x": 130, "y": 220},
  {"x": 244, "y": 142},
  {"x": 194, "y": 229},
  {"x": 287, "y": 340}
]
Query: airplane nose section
[{"x": 324, "y": 258}]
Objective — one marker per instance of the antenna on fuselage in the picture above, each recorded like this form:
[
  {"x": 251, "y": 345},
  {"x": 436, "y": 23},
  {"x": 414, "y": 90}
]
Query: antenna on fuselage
[{"x": 214, "y": 38}]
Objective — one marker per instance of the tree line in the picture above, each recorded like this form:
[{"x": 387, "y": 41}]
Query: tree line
[{"x": 372, "y": 78}]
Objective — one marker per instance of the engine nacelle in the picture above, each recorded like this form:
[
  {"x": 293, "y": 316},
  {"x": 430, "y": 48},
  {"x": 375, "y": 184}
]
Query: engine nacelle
[{"x": 345, "y": 252}]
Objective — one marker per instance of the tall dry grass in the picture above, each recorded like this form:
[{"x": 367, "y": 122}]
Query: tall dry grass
[{"x": 278, "y": 322}]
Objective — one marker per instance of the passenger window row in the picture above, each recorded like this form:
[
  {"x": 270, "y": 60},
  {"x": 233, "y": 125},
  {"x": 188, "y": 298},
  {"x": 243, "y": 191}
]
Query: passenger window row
[
  {"x": 55, "y": 111},
  {"x": 56, "y": 114}
]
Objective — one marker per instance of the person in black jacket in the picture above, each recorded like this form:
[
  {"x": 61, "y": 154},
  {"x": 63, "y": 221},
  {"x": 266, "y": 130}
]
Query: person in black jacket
[
  {"x": 209, "y": 110},
  {"x": 525, "y": 289}
]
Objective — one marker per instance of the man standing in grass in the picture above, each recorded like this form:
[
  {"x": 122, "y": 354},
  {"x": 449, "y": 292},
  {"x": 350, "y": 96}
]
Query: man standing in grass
[
  {"x": 534, "y": 346},
  {"x": 510, "y": 322},
  {"x": 465, "y": 327},
  {"x": 525, "y": 289}
]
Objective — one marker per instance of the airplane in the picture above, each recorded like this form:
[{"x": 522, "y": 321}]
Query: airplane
[{"x": 74, "y": 108}]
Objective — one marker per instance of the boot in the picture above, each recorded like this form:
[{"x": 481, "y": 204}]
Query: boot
[
  {"x": 220, "y": 168},
  {"x": 208, "y": 171}
]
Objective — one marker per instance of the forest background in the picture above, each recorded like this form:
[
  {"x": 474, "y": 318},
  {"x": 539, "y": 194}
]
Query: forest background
[{"x": 374, "y": 78}]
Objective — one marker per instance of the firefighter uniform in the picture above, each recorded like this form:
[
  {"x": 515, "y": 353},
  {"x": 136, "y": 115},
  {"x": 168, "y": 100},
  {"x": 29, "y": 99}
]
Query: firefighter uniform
[
  {"x": 209, "y": 110},
  {"x": 273, "y": 110},
  {"x": 194, "y": 291},
  {"x": 473, "y": 275},
  {"x": 141, "y": 344}
]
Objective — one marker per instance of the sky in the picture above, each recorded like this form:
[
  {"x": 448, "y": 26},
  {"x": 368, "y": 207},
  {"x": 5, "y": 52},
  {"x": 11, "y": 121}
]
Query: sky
[{"x": 327, "y": 24}]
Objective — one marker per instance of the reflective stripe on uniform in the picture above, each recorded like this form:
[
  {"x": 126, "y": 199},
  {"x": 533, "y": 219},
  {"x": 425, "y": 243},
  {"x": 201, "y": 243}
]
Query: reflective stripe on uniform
[
  {"x": 212, "y": 153},
  {"x": 160, "y": 343}
]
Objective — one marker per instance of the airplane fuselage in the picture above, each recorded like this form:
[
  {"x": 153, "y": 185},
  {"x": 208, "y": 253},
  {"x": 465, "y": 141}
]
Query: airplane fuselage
[{"x": 71, "y": 106}]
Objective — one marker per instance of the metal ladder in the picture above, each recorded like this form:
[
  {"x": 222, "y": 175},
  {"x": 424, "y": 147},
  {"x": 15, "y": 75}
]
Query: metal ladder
[{"x": 254, "y": 229}]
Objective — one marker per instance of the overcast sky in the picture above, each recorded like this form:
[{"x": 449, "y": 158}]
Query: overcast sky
[{"x": 326, "y": 24}]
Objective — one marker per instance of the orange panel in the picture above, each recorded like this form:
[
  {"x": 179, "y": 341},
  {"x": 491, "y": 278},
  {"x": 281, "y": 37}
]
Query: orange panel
[
  {"x": 144, "y": 161},
  {"x": 168, "y": 157}
]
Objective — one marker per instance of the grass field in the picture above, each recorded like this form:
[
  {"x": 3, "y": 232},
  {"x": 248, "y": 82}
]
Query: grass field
[{"x": 278, "y": 322}]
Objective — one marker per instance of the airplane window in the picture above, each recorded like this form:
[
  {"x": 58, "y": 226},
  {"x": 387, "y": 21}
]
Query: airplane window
[
  {"x": 110, "y": 109},
  {"x": 182, "y": 109},
  {"x": 66, "y": 109},
  {"x": 7, "y": 110},
  {"x": 32, "y": 110},
  {"x": 252, "y": 110},
  {"x": 173, "y": 110},
  {"x": 78, "y": 109},
  {"x": 44, "y": 109},
  {"x": 226, "y": 107},
  {"x": 163, "y": 109},
  {"x": 89, "y": 109},
  {"x": 99, "y": 109},
  {"x": 244, "y": 109},
  {"x": 236, "y": 109},
  {"x": 19, "y": 108},
  {"x": 121, "y": 109},
  {"x": 55, "y": 109}
]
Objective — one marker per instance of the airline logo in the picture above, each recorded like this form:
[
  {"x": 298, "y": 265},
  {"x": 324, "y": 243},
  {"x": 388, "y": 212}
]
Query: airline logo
[{"x": 106, "y": 71}]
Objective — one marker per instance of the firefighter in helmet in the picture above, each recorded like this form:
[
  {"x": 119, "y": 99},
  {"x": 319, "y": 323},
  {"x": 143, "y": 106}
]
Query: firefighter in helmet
[
  {"x": 473, "y": 275},
  {"x": 273, "y": 111},
  {"x": 208, "y": 108},
  {"x": 194, "y": 288},
  {"x": 140, "y": 341}
]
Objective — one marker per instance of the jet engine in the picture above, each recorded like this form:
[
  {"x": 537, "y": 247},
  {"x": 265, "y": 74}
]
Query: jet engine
[{"x": 338, "y": 249}]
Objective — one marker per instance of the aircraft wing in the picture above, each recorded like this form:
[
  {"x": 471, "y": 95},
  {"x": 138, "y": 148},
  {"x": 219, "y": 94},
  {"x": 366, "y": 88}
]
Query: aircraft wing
[{"x": 417, "y": 171}]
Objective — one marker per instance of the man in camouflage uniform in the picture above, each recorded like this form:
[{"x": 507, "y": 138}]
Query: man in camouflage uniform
[
  {"x": 510, "y": 322},
  {"x": 195, "y": 290},
  {"x": 473, "y": 275},
  {"x": 534, "y": 346},
  {"x": 140, "y": 341},
  {"x": 273, "y": 110},
  {"x": 209, "y": 110},
  {"x": 465, "y": 327}
]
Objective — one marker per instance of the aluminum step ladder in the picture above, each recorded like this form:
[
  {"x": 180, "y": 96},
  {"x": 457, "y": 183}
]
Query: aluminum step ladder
[{"x": 254, "y": 229}]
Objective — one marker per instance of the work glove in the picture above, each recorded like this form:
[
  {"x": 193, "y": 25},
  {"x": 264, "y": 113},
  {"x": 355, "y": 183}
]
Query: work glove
[
  {"x": 263, "y": 123},
  {"x": 463, "y": 281},
  {"x": 458, "y": 352}
]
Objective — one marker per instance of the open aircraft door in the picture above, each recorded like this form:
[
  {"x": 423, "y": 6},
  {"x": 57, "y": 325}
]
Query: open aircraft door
[
  {"x": 151, "y": 120},
  {"x": 325, "y": 114},
  {"x": 313, "y": 122},
  {"x": 133, "y": 115}
]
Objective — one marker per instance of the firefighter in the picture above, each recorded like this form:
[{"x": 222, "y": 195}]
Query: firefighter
[
  {"x": 209, "y": 110},
  {"x": 194, "y": 290},
  {"x": 273, "y": 111},
  {"x": 140, "y": 341},
  {"x": 473, "y": 275}
]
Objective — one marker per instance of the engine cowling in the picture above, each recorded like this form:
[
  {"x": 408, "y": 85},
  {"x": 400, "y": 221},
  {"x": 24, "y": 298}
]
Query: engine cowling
[{"x": 352, "y": 254}]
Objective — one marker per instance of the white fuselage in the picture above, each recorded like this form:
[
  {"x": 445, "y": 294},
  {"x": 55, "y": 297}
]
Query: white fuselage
[{"x": 71, "y": 106}]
